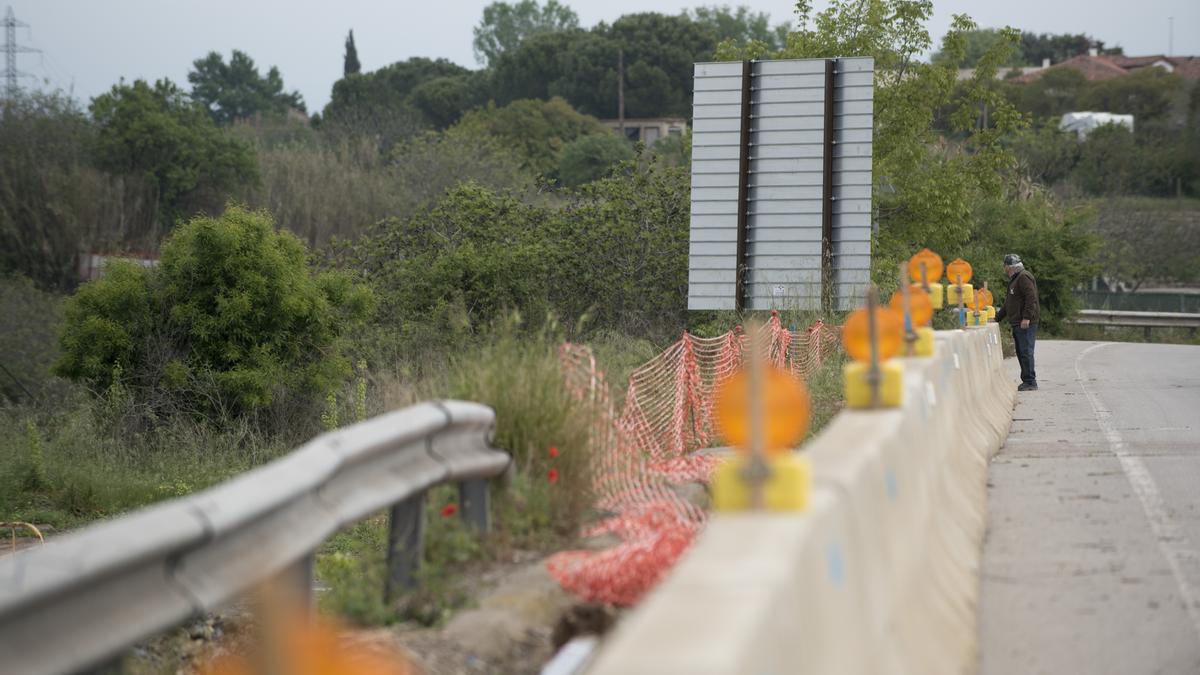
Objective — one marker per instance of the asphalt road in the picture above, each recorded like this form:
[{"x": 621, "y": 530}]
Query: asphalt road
[{"x": 1092, "y": 557}]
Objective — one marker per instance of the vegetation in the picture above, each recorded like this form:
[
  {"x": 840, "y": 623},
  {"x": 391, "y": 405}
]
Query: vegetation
[
  {"x": 454, "y": 217},
  {"x": 1031, "y": 50},
  {"x": 231, "y": 322},
  {"x": 159, "y": 133},
  {"x": 505, "y": 26},
  {"x": 234, "y": 91}
]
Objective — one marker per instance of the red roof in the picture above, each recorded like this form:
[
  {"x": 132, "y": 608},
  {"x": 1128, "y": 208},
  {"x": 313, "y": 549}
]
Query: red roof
[
  {"x": 1099, "y": 68},
  {"x": 1094, "y": 68}
]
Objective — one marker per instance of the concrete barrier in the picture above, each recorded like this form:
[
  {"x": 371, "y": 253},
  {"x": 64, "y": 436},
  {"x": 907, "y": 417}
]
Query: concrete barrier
[{"x": 880, "y": 575}]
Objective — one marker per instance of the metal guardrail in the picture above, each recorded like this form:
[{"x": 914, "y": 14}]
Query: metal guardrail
[
  {"x": 85, "y": 597},
  {"x": 1146, "y": 320}
]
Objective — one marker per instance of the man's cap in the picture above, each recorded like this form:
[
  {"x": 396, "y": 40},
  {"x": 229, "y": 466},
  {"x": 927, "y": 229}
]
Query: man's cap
[{"x": 1012, "y": 259}]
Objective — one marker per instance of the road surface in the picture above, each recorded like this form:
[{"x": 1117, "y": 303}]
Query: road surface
[{"x": 1092, "y": 557}]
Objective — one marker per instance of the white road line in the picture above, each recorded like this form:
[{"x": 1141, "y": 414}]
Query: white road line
[{"x": 1171, "y": 541}]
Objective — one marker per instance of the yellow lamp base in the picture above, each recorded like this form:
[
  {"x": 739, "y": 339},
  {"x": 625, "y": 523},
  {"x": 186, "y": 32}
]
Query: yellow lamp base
[
  {"x": 936, "y": 296},
  {"x": 968, "y": 295},
  {"x": 976, "y": 318},
  {"x": 858, "y": 390},
  {"x": 924, "y": 344},
  {"x": 991, "y": 312},
  {"x": 786, "y": 489}
]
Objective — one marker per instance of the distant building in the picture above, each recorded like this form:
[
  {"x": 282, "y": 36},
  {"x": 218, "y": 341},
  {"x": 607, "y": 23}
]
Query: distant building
[
  {"x": 1082, "y": 123},
  {"x": 648, "y": 129},
  {"x": 91, "y": 265},
  {"x": 1096, "y": 68}
]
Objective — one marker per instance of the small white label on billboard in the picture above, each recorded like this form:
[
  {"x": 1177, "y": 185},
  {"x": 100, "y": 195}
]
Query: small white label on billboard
[{"x": 777, "y": 291}]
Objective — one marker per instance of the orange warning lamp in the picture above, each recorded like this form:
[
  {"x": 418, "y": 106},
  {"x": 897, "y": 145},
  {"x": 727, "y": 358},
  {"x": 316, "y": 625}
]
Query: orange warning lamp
[
  {"x": 919, "y": 304},
  {"x": 889, "y": 331},
  {"x": 985, "y": 297},
  {"x": 785, "y": 405},
  {"x": 958, "y": 268},
  {"x": 933, "y": 266}
]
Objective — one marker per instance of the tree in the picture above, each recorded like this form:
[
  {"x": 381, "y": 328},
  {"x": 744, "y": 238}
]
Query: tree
[
  {"x": 1035, "y": 48},
  {"x": 444, "y": 100},
  {"x": 350, "y": 64},
  {"x": 582, "y": 67},
  {"x": 979, "y": 42},
  {"x": 1148, "y": 94},
  {"x": 536, "y": 131},
  {"x": 590, "y": 157},
  {"x": 232, "y": 321},
  {"x": 504, "y": 26},
  {"x": 1057, "y": 91},
  {"x": 741, "y": 25},
  {"x": 379, "y": 104},
  {"x": 233, "y": 91},
  {"x": 159, "y": 133}
]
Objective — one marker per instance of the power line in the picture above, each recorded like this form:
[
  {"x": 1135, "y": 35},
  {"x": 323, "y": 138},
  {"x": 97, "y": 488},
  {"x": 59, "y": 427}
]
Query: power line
[{"x": 11, "y": 49}]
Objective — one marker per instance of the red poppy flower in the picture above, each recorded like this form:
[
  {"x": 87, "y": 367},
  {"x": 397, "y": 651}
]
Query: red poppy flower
[
  {"x": 449, "y": 510},
  {"x": 553, "y": 476},
  {"x": 553, "y": 451}
]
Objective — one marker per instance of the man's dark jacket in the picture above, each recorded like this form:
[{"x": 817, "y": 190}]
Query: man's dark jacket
[{"x": 1021, "y": 301}]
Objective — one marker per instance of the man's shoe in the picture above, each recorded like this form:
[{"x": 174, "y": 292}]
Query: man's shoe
[{"x": 1027, "y": 387}]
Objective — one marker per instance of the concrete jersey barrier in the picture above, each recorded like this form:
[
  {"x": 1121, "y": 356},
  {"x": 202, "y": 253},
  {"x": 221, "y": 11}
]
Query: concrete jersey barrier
[{"x": 879, "y": 575}]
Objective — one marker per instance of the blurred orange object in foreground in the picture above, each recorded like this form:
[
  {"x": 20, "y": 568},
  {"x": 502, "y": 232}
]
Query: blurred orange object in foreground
[
  {"x": 785, "y": 410},
  {"x": 933, "y": 266},
  {"x": 292, "y": 641},
  {"x": 959, "y": 272},
  {"x": 919, "y": 302},
  {"x": 889, "y": 334}
]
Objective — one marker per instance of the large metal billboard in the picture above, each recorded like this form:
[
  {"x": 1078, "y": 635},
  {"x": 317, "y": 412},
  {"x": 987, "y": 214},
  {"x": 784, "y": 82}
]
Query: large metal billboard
[{"x": 781, "y": 184}]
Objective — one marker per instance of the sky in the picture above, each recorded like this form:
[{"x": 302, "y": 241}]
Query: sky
[{"x": 88, "y": 45}]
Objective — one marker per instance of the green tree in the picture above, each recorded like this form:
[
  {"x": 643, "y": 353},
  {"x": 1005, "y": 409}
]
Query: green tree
[
  {"x": 443, "y": 100},
  {"x": 54, "y": 203},
  {"x": 740, "y": 25},
  {"x": 582, "y": 67},
  {"x": 1036, "y": 47},
  {"x": 235, "y": 90},
  {"x": 536, "y": 131},
  {"x": 1057, "y": 91},
  {"x": 1045, "y": 153},
  {"x": 590, "y": 157},
  {"x": 379, "y": 104},
  {"x": 977, "y": 43},
  {"x": 504, "y": 26},
  {"x": 350, "y": 64},
  {"x": 1148, "y": 94},
  {"x": 232, "y": 321},
  {"x": 159, "y": 133}
]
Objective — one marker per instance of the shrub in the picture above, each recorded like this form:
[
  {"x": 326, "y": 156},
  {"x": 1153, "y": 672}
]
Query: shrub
[
  {"x": 547, "y": 432},
  {"x": 537, "y": 131},
  {"x": 29, "y": 323},
  {"x": 231, "y": 321},
  {"x": 590, "y": 157}
]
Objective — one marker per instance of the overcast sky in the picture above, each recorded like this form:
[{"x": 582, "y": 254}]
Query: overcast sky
[{"x": 88, "y": 45}]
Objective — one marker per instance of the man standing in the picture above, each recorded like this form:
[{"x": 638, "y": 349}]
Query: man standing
[{"x": 1022, "y": 309}]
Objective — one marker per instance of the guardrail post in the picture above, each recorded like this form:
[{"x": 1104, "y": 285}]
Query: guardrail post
[
  {"x": 406, "y": 544},
  {"x": 473, "y": 504}
]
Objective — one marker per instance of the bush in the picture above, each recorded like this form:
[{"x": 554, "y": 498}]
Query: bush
[
  {"x": 1055, "y": 244},
  {"x": 590, "y": 157},
  {"x": 537, "y": 131},
  {"x": 158, "y": 132},
  {"x": 547, "y": 432},
  {"x": 29, "y": 323},
  {"x": 615, "y": 253},
  {"x": 232, "y": 321}
]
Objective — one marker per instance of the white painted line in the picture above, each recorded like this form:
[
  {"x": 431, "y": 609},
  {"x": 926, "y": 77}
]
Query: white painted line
[{"x": 1142, "y": 482}]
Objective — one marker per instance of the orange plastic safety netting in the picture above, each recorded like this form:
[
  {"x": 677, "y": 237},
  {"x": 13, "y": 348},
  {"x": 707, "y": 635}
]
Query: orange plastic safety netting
[{"x": 655, "y": 445}]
